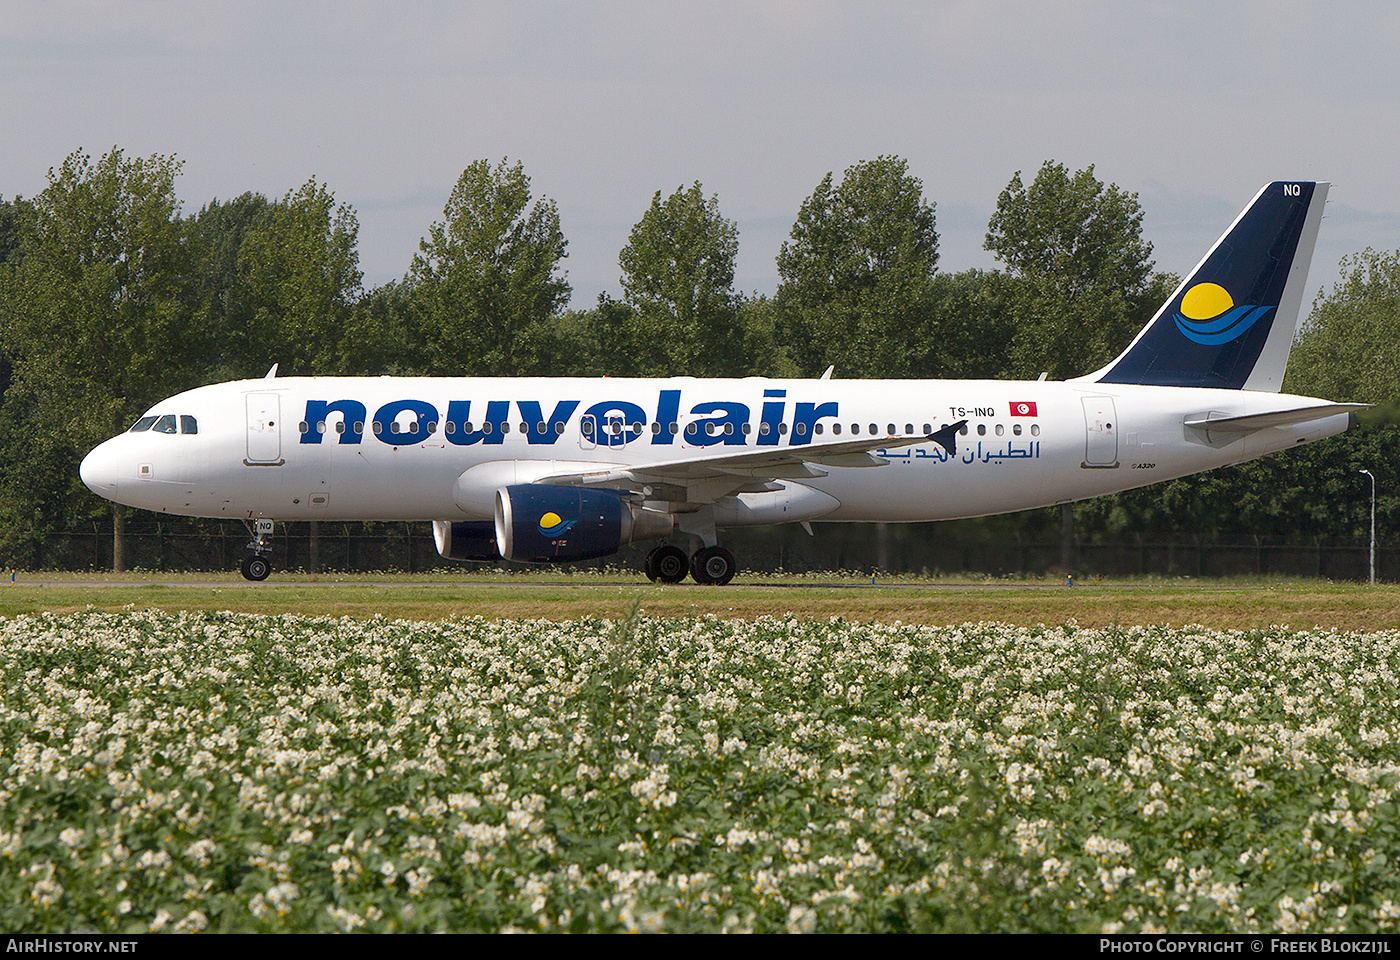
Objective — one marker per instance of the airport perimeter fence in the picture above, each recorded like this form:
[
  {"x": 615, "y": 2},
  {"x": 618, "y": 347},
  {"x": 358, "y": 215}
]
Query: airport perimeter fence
[{"x": 927, "y": 548}]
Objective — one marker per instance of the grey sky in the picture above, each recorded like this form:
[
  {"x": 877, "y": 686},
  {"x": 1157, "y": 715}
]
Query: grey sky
[{"x": 1191, "y": 105}]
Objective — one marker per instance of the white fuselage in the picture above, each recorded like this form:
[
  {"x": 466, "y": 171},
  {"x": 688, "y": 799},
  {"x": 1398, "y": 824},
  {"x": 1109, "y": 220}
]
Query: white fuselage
[{"x": 331, "y": 448}]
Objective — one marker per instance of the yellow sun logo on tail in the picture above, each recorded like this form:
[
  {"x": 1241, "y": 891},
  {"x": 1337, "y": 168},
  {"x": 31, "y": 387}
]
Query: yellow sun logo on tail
[{"x": 1206, "y": 300}]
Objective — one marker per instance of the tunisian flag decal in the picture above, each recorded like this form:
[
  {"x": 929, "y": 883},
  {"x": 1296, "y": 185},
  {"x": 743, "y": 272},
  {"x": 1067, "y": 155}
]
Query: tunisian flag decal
[{"x": 1025, "y": 408}]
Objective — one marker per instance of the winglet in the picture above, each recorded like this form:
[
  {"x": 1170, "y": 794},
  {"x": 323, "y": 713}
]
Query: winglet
[{"x": 947, "y": 437}]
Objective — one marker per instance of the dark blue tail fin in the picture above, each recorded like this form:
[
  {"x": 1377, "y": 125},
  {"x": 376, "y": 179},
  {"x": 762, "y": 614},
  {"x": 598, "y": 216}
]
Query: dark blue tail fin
[{"x": 1231, "y": 322}]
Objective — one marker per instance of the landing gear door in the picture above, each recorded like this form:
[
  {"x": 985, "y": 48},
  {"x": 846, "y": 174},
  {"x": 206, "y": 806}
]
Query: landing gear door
[
  {"x": 264, "y": 430},
  {"x": 1101, "y": 433}
]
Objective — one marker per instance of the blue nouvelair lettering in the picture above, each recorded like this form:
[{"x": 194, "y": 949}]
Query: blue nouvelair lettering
[
  {"x": 459, "y": 419},
  {"x": 386, "y": 426},
  {"x": 726, "y": 428},
  {"x": 539, "y": 430},
  {"x": 351, "y": 412},
  {"x": 806, "y": 416},
  {"x": 768, "y": 432},
  {"x": 619, "y": 422},
  {"x": 668, "y": 406}
]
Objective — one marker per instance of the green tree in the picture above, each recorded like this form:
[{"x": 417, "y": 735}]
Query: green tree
[
  {"x": 857, "y": 275},
  {"x": 9, "y": 227},
  {"x": 487, "y": 279},
  {"x": 1084, "y": 279},
  {"x": 975, "y": 312},
  {"x": 280, "y": 283},
  {"x": 1349, "y": 348},
  {"x": 299, "y": 279},
  {"x": 216, "y": 236},
  {"x": 678, "y": 277},
  {"x": 97, "y": 326}
]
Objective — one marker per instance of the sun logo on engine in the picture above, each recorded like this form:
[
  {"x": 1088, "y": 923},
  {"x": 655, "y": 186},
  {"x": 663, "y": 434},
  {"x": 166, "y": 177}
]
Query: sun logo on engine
[
  {"x": 1208, "y": 315},
  {"x": 553, "y": 525}
]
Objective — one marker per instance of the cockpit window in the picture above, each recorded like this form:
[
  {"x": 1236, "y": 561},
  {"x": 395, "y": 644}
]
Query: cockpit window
[
  {"x": 188, "y": 424},
  {"x": 142, "y": 425},
  {"x": 165, "y": 424}
]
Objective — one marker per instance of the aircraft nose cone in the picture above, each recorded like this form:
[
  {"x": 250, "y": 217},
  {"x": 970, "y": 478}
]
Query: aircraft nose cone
[{"x": 99, "y": 471}]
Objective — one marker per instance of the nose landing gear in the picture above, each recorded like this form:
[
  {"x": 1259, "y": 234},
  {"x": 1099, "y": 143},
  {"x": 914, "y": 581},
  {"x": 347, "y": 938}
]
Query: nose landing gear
[{"x": 258, "y": 565}]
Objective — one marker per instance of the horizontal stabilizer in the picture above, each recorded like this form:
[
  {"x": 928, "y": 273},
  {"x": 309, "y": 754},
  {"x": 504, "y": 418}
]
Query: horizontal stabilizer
[{"x": 1276, "y": 418}]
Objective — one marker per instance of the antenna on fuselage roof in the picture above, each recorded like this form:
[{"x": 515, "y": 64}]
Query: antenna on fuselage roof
[
  {"x": 827, "y": 375},
  {"x": 271, "y": 374}
]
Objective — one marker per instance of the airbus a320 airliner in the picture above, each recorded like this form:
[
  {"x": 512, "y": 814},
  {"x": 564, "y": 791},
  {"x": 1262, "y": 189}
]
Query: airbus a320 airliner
[{"x": 556, "y": 470}]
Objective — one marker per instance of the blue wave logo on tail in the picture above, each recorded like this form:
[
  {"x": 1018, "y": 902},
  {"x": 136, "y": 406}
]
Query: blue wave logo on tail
[
  {"x": 1209, "y": 315},
  {"x": 553, "y": 525}
]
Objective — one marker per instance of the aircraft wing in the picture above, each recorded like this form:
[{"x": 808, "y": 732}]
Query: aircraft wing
[{"x": 705, "y": 479}]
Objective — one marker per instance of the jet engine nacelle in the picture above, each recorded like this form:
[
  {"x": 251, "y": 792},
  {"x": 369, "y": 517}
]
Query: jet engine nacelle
[
  {"x": 466, "y": 539},
  {"x": 541, "y": 523}
]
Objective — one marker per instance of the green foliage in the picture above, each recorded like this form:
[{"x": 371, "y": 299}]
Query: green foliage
[
  {"x": 976, "y": 313},
  {"x": 487, "y": 278},
  {"x": 280, "y": 282},
  {"x": 1314, "y": 492},
  {"x": 10, "y": 212},
  {"x": 678, "y": 278},
  {"x": 96, "y": 297},
  {"x": 1083, "y": 274},
  {"x": 857, "y": 275},
  {"x": 1349, "y": 348},
  {"x": 98, "y": 305}
]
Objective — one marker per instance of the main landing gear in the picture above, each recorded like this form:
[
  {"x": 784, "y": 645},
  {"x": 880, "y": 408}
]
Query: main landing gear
[
  {"x": 258, "y": 564},
  {"x": 711, "y": 565}
]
